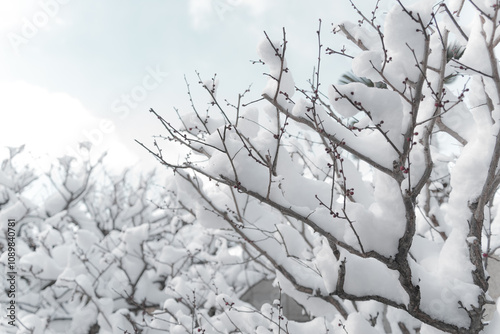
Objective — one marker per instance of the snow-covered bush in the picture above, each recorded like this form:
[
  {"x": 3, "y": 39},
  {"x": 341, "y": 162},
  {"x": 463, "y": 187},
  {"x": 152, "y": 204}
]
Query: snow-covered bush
[
  {"x": 100, "y": 253},
  {"x": 374, "y": 201}
]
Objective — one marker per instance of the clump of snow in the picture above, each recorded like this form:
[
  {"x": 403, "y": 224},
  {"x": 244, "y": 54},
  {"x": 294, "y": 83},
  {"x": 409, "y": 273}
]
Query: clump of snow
[
  {"x": 16, "y": 211},
  {"x": 361, "y": 35},
  {"x": 85, "y": 317},
  {"x": 327, "y": 266},
  {"x": 5, "y": 180},
  {"x": 405, "y": 41},
  {"x": 368, "y": 64},
  {"x": 382, "y": 106},
  {"x": 85, "y": 240},
  {"x": 493, "y": 326},
  {"x": 211, "y": 86},
  {"x": 355, "y": 324},
  {"x": 196, "y": 124},
  {"x": 55, "y": 203},
  {"x": 44, "y": 266},
  {"x": 133, "y": 237},
  {"x": 365, "y": 277},
  {"x": 300, "y": 108},
  {"x": 476, "y": 46},
  {"x": 460, "y": 120},
  {"x": 33, "y": 324},
  {"x": 280, "y": 83}
]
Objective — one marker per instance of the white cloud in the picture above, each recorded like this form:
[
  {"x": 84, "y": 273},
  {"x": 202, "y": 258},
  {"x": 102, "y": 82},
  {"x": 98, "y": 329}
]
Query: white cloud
[
  {"x": 11, "y": 13},
  {"x": 203, "y": 13},
  {"x": 256, "y": 7},
  {"x": 44, "y": 120},
  {"x": 54, "y": 123}
]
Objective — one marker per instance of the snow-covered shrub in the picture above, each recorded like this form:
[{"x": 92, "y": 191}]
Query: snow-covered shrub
[{"x": 104, "y": 253}]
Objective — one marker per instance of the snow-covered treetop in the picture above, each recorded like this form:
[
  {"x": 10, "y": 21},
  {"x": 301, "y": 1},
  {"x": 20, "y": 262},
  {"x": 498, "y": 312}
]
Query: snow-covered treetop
[{"x": 382, "y": 189}]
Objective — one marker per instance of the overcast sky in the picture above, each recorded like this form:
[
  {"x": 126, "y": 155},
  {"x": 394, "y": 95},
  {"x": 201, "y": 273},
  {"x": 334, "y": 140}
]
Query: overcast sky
[{"x": 76, "y": 70}]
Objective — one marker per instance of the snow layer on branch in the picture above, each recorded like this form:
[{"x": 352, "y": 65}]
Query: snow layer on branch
[
  {"x": 356, "y": 324},
  {"x": 317, "y": 325},
  {"x": 371, "y": 144},
  {"x": 494, "y": 326},
  {"x": 211, "y": 86},
  {"x": 59, "y": 220},
  {"x": 316, "y": 306},
  {"x": 376, "y": 221},
  {"x": 85, "y": 240},
  {"x": 444, "y": 294},
  {"x": 196, "y": 123},
  {"x": 41, "y": 264},
  {"x": 83, "y": 318},
  {"x": 363, "y": 192},
  {"x": 55, "y": 203},
  {"x": 418, "y": 165},
  {"x": 368, "y": 64},
  {"x": 50, "y": 237},
  {"x": 34, "y": 323},
  {"x": 272, "y": 55},
  {"x": 168, "y": 257},
  {"x": 300, "y": 108},
  {"x": 455, "y": 5},
  {"x": 16, "y": 211},
  {"x": 389, "y": 214},
  {"x": 296, "y": 246},
  {"x": 133, "y": 237},
  {"x": 467, "y": 180},
  {"x": 404, "y": 40},
  {"x": 298, "y": 190},
  {"x": 6, "y": 181},
  {"x": 395, "y": 316},
  {"x": 369, "y": 277},
  {"x": 459, "y": 119},
  {"x": 426, "y": 252},
  {"x": 361, "y": 35},
  {"x": 383, "y": 106},
  {"x": 249, "y": 121},
  {"x": 488, "y": 7},
  {"x": 328, "y": 266},
  {"x": 476, "y": 52},
  {"x": 75, "y": 182},
  {"x": 119, "y": 322}
]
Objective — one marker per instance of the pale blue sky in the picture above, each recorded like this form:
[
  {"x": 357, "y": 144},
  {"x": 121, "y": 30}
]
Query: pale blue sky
[{"x": 67, "y": 66}]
